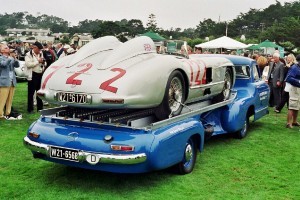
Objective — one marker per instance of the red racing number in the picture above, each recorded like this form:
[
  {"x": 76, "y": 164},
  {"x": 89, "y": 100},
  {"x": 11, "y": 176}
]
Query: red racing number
[
  {"x": 71, "y": 80},
  {"x": 107, "y": 84},
  {"x": 200, "y": 78}
]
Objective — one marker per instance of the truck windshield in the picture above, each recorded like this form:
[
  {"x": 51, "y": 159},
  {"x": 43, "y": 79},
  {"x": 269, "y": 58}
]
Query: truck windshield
[{"x": 242, "y": 71}]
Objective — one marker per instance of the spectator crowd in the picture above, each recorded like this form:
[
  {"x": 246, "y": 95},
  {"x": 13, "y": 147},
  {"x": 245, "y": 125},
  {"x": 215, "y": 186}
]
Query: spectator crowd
[{"x": 38, "y": 57}]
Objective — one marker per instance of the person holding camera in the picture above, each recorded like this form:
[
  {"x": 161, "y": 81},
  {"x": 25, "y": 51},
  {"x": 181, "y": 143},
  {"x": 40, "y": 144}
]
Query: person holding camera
[
  {"x": 8, "y": 81},
  {"x": 34, "y": 65}
]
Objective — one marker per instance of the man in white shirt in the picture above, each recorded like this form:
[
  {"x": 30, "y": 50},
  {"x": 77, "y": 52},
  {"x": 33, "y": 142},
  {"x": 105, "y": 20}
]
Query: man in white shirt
[{"x": 35, "y": 64}]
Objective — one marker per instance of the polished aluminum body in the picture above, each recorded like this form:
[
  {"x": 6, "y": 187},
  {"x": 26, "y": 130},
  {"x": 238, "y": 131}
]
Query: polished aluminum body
[{"x": 106, "y": 73}]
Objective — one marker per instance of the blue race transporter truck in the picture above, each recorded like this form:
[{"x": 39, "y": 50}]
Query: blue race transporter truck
[{"x": 126, "y": 141}]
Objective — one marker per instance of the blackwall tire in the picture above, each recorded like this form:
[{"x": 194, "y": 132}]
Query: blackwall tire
[
  {"x": 187, "y": 164},
  {"x": 174, "y": 97},
  {"x": 244, "y": 131}
]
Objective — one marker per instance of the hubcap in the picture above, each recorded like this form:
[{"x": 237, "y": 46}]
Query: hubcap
[
  {"x": 244, "y": 128},
  {"x": 175, "y": 94},
  {"x": 188, "y": 153}
]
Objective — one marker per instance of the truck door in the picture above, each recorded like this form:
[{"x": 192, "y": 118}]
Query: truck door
[{"x": 262, "y": 98}]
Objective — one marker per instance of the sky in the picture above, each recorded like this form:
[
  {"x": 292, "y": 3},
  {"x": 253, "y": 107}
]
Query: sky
[{"x": 169, "y": 13}]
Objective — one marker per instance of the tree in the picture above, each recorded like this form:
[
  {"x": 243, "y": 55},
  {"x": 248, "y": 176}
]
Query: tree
[
  {"x": 110, "y": 28},
  {"x": 205, "y": 28},
  {"x": 31, "y": 19},
  {"x": 287, "y": 30},
  {"x": 65, "y": 40},
  {"x": 152, "y": 24},
  {"x": 87, "y": 26},
  {"x": 135, "y": 27}
]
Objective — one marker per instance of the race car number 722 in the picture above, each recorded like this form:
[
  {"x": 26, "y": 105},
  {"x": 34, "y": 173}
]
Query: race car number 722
[{"x": 106, "y": 85}]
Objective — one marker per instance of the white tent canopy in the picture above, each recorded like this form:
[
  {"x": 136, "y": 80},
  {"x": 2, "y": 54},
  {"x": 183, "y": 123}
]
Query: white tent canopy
[{"x": 222, "y": 42}]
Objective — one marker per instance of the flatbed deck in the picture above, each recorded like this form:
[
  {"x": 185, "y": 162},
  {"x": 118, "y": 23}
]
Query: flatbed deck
[{"x": 136, "y": 119}]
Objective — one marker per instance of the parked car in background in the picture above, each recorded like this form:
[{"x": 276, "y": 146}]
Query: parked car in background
[{"x": 20, "y": 71}]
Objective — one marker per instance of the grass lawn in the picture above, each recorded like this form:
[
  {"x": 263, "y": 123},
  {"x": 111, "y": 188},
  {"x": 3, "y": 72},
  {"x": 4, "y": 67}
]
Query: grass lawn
[{"x": 264, "y": 165}]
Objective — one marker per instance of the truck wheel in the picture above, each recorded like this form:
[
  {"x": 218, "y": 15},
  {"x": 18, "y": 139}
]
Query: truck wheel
[
  {"x": 173, "y": 98},
  {"x": 225, "y": 94},
  {"x": 243, "y": 132},
  {"x": 189, "y": 158}
]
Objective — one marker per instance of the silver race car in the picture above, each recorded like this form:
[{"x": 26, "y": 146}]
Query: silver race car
[{"x": 108, "y": 74}]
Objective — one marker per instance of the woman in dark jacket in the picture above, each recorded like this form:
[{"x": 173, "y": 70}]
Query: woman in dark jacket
[{"x": 290, "y": 60}]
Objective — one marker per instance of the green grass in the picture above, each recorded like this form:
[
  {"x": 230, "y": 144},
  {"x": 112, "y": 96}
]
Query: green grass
[{"x": 264, "y": 165}]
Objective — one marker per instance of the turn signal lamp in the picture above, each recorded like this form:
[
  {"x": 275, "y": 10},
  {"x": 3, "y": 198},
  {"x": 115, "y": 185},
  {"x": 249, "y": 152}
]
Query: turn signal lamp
[
  {"x": 34, "y": 135},
  {"x": 122, "y": 148}
]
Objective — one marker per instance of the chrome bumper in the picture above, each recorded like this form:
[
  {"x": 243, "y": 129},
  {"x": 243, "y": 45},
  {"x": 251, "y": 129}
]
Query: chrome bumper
[{"x": 90, "y": 157}]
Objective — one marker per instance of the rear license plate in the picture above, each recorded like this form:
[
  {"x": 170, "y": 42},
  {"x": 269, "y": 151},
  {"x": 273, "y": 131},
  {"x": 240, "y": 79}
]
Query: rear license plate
[
  {"x": 63, "y": 153},
  {"x": 72, "y": 97}
]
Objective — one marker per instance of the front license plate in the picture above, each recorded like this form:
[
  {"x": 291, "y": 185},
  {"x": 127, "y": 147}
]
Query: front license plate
[
  {"x": 63, "y": 153},
  {"x": 72, "y": 97}
]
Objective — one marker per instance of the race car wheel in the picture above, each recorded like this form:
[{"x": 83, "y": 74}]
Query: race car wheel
[
  {"x": 243, "y": 132},
  {"x": 228, "y": 83},
  {"x": 174, "y": 97},
  {"x": 189, "y": 158}
]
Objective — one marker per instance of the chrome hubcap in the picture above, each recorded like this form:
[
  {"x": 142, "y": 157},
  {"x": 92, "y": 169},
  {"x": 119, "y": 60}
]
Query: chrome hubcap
[
  {"x": 188, "y": 153},
  {"x": 245, "y": 128},
  {"x": 175, "y": 94}
]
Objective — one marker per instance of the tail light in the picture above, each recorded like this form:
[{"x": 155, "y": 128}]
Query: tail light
[{"x": 121, "y": 148}]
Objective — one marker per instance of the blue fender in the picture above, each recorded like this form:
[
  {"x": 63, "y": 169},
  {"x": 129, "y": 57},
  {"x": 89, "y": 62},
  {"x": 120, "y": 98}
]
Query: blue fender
[{"x": 169, "y": 144}]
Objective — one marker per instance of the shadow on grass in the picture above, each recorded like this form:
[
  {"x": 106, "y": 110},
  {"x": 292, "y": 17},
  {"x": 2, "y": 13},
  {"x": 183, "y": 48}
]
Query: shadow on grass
[
  {"x": 89, "y": 180},
  {"x": 230, "y": 137}
]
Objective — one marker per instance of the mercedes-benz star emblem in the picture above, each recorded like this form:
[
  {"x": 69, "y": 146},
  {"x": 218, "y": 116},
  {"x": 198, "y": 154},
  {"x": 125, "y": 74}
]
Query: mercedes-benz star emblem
[{"x": 73, "y": 136}]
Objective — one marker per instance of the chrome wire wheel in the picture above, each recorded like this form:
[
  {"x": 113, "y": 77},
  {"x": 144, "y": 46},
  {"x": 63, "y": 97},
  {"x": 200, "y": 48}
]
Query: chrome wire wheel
[
  {"x": 174, "y": 97},
  {"x": 227, "y": 84},
  {"x": 175, "y": 94}
]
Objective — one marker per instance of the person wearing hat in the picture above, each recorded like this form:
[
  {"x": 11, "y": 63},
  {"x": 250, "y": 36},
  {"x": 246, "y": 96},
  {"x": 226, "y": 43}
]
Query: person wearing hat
[
  {"x": 34, "y": 65},
  {"x": 70, "y": 51},
  {"x": 293, "y": 77},
  {"x": 65, "y": 52}
]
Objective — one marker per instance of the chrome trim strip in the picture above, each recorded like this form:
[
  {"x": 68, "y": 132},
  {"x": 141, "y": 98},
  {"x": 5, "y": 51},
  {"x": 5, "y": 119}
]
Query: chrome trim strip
[
  {"x": 207, "y": 85},
  {"x": 124, "y": 159}
]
